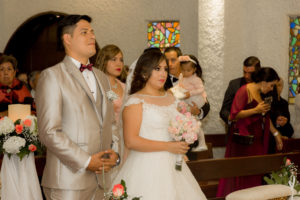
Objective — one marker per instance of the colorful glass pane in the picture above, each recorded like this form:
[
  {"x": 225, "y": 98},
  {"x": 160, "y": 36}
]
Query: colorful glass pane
[
  {"x": 294, "y": 58},
  {"x": 163, "y": 34}
]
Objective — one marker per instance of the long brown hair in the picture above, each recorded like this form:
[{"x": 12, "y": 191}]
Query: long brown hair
[
  {"x": 144, "y": 67},
  {"x": 105, "y": 54}
]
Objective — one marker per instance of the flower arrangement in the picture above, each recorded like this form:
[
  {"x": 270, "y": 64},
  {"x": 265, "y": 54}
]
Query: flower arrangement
[
  {"x": 111, "y": 95},
  {"x": 19, "y": 137},
  {"x": 184, "y": 128},
  {"x": 183, "y": 107},
  {"x": 119, "y": 192},
  {"x": 287, "y": 175}
]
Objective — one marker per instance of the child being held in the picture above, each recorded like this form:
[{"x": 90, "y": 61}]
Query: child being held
[{"x": 190, "y": 88}]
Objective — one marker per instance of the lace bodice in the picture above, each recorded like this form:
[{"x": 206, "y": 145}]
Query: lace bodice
[{"x": 157, "y": 113}]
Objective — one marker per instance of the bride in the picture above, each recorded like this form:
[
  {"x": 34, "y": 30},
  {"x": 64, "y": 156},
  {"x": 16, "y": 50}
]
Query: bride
[{"x": 149, "y": 170}]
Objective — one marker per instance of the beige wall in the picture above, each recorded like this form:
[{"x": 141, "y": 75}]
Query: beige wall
[{"x": 121, "y": 22}]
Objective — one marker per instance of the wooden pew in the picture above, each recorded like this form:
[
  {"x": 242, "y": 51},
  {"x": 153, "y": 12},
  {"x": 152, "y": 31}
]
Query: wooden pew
[{"x": 208, "y": 171}]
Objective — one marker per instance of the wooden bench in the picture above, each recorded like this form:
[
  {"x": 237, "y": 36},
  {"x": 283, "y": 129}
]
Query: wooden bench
[{"x": 208, "y": 171}]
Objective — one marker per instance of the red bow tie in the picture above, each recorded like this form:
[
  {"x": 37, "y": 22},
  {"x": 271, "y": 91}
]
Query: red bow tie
[{"x": 83, "y": 67}]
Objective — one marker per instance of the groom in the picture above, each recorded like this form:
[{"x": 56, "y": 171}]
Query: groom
[{"x": 75, "y": 118}]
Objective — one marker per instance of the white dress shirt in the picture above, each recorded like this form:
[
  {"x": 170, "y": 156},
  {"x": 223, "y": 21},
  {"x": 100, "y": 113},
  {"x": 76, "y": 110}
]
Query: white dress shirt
[
  {"x": 90, "y": 79},
  {"x": 88, "y": 76}
]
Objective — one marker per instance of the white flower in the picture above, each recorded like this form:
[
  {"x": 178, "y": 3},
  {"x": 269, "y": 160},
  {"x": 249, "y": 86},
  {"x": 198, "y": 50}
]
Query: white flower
[
  {"x": 111, "y": 95},
  {"x": 33, "y": 126},
  {"x": 6, "y": 126},
  {"x": 13, "y": 144}
]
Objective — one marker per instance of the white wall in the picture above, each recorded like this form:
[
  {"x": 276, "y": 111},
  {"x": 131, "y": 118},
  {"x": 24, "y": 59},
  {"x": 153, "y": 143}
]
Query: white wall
[
  {"x": 120, "y": 22},
  {"x": 256, "y": 27}
]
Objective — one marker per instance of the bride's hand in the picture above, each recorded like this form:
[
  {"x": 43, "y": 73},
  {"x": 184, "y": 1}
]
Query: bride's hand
[{"x": 178, "y": 147}]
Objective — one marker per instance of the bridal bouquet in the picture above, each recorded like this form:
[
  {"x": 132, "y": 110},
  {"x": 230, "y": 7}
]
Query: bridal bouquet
[
  {"x": 19, "y": 137},
  {"x": 184, "y": 127},
  {"x": 119, "y": 192}
]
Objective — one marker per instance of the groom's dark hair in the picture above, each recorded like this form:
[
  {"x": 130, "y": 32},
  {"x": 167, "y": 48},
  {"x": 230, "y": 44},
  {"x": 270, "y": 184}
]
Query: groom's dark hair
[{"x": 67, "y": 25}]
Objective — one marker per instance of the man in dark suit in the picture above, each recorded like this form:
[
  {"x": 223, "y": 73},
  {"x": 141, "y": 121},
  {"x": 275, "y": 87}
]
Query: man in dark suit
[
  {"x": 172, "y": 54},
  {"x": 251, "y": 64}
]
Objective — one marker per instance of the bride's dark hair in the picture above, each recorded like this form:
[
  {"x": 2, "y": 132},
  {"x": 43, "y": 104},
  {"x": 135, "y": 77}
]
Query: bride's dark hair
[{"x": 144, "y": 67}]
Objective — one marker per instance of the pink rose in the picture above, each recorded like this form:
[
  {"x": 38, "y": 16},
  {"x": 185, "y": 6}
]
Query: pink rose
[
  {"x": 118, "y": 190},
  {"x": 32, "y": 148},
  {"x": 288, "y": 162},
  {"x": 19, "y": 129},
  {"x": 27, "y": 122}
]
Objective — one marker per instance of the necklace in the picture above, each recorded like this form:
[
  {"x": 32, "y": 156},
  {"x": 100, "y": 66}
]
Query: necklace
[{"x": 115, "y": 86}]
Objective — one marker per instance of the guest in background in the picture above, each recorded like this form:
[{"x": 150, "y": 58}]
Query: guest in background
[
  {"x": 280, "y": 116},
  {"x": 172, "y": 55},
  {"x": 191, "y": 80},
  {"x": 22, "y": 76},
  {"x": 12, "y": 90},
  {"x": 250, "y": 65},
  {"x": 110, "y": 61},
  {"x": 249, "y": 135},
  {"x": 33, "y": 80}
]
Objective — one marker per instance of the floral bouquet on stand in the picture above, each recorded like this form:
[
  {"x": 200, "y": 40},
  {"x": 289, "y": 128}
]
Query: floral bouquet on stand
[
  {"x": 287, "y": 175},
  {"x": 18, "y": 141},
  {"x": 20, "y": 137},
  {"x": 119, "y": 192},
  {"x": 184, "y": 127}
]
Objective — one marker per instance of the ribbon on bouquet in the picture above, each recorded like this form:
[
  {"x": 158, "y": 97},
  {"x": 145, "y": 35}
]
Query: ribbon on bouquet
[{"x": 292, "y": 182}]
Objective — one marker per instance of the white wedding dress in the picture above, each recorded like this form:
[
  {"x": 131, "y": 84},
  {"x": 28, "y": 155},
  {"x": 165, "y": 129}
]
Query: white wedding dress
[{"x": 152, "y": 175}]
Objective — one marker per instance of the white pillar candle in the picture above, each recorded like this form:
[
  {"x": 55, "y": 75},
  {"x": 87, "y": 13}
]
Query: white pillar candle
[{"x": 18, "y": 111}]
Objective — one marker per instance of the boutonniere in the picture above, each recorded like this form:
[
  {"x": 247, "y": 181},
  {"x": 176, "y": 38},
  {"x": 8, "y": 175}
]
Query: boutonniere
[{"x": 111, "y": 95}]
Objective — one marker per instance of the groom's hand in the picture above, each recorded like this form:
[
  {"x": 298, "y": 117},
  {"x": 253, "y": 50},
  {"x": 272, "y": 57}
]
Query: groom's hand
[
  {"x": 108, "y": 162},
  {"x": 96, "y": 161}
]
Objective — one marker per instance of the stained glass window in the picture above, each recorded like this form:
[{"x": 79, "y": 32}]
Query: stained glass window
[
  {"x": 294, "y": 58},
  {"x": 164, "y": 34}
]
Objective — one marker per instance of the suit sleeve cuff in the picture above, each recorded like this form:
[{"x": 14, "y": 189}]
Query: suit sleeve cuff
[
  {"x": 200, "y": 116},
  {"x": 86, "y": 165}
]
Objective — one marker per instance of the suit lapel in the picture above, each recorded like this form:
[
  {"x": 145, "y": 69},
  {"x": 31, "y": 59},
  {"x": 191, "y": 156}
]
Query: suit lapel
[
  {"x": 101, "y": 84},
  {"x": 73, "y": 70}
]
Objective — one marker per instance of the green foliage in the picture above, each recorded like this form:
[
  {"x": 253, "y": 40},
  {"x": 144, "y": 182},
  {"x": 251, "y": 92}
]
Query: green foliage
[{"x": 283, "y": 176}]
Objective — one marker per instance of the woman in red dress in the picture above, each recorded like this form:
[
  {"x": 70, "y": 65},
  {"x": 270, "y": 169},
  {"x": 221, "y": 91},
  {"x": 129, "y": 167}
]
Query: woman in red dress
[
  {"x": 249, "y": 135},
  {"x": 12, "y": 91}
]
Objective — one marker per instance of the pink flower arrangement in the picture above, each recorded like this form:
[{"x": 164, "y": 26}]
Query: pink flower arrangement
[
  {"x": 184, "y": 128},
  {"x": 32, "y": 148},
  {"x": 19, "y": 129},
  {"x": 183, "y": 107},
  {"x": 119, "y": 192},
  {"x": 20, "y": 137},
  {"x": 27, "y": 122}
]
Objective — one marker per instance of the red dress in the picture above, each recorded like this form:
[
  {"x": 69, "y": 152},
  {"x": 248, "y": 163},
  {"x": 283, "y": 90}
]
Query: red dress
[
  {"x": 17, "y": 93},
  {"x": 256, "y": 125}
]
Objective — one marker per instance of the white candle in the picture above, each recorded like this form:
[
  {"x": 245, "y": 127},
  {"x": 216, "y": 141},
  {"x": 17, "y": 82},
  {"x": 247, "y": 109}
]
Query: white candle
[{"x": 18, "y": 111}]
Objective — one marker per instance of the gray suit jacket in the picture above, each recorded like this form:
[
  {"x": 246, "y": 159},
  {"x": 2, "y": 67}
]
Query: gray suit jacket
[{"x": 71, "y": 125}]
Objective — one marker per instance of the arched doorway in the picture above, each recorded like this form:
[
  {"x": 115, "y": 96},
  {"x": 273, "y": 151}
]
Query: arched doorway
[{"x": 34, "y": 43}]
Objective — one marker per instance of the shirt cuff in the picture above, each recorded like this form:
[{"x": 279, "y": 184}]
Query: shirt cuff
[
  {"x": 86, "y": 164},
  {"x": 200, "y": 116}
]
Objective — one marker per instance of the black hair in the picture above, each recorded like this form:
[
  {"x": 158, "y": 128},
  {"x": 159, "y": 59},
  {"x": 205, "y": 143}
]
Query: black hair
[
  {"x": 267, "y": 74},
  {"x": 252, "y": 61},
  {"x": 176, "y": 49},
  {"x": 5, "y": 58},
  {"x": 67, "y": 25},
  {"x": 144, "y": 67},
  {"x": 197, "y": 66}
]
